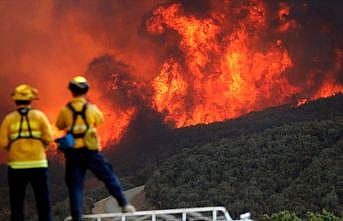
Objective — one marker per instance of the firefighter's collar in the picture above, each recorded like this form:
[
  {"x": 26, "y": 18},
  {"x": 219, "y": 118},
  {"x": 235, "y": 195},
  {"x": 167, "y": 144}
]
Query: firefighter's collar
[{"x": 23, "y": 106}]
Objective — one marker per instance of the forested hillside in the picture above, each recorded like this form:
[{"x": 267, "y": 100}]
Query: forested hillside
[
  {"x": 297, "y": 166},
  {"x": 136, "y": 156}
]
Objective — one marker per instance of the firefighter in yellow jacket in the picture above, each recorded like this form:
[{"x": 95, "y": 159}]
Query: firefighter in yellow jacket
[
  {"x": 25, "y": 134},
  {"x": 80, "y": 118}
]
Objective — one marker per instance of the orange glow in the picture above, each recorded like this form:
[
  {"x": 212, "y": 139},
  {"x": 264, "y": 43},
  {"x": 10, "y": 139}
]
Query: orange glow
[
  {"x": 170, "y": 87},
  {"x": 285, "y": 23},
  {"x": 116, "y": 119},
  {"x": 328, "y": 89},
  {"x": 330, "y": 86},
  {"x": 228, "y": 77},
  {"x": 44, "y": 43}
]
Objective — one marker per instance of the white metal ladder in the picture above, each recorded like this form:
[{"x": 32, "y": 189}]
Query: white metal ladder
[{"x": 187, "y": 214}]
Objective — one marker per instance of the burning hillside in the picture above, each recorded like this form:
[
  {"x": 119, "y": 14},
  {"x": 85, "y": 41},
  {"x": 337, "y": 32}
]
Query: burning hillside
[
  {"x": 192, "y": 62},
  {"x": 232, "y": 62}
]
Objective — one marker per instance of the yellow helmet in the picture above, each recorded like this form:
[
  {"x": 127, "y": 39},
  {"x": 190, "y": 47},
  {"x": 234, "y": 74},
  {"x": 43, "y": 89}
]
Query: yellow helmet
[
  {"x": 80, "y": 82},
  {"x": 25, "y": 92}
]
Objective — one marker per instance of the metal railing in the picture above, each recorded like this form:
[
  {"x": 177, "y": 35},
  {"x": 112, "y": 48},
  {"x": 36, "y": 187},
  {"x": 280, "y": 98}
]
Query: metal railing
[{"x": 187, "y": 214}]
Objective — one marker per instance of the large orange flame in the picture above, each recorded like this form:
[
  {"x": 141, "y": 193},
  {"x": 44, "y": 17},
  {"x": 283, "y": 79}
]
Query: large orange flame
[
  {"x": 224, "y": 74},
  {"x": 223, "y": 77}
]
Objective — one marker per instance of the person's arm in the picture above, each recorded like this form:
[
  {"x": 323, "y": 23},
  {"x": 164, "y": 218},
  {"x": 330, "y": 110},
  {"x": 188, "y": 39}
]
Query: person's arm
[
  {"x": 61, "y": 120},
  {"x": 46, "y": 130},
  {"x": 4, "y": 141},
  {"x": 98, "y": 116}
]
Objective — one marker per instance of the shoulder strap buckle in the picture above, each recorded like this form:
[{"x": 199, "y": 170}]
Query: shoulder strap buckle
[{"x": 23, "y": 111}]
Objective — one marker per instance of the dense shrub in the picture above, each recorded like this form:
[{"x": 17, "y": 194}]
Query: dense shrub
[
  {"x": 296, "y": 167},
  {"x": 288, "y": 216}
]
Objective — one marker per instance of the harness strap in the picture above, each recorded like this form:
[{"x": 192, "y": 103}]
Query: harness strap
[
  {"x": 21, "y": 123},
  {"x": 24, "y": 112},
  {"x": 82, "y": 114},
  {"x": 28, "y": 125}
]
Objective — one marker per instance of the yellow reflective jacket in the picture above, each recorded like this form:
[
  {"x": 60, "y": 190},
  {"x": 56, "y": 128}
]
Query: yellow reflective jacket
[
  {"x": 65, "y": 119},
  {"x": 28, "y": 151}
]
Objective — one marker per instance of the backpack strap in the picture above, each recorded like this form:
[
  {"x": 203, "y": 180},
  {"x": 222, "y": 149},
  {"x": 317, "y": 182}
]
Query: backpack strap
[{"x": 82, "y": 114}]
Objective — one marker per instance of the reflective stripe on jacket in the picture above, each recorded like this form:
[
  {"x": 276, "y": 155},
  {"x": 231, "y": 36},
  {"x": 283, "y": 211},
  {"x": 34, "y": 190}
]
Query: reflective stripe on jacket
[
  {"x": 65, "y": 119},
  {"x": 34, "y": 126},
  {"x": 26, "y": 152},
  {"x": 28, "y": 164}
]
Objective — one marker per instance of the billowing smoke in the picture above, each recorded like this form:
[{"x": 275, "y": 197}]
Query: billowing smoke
[
  {"x": 120, "y": 94},
  {"x": 45, "y": 43}
]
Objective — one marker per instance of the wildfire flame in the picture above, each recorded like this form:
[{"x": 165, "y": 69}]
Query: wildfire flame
[
  {"x": 226, "y": 76},
  {"x": 114, "y": 102},
  {"x": 116, "y": 120},
  {"x": 225, "y": 67},
  {"x": 223, "y": 73}
]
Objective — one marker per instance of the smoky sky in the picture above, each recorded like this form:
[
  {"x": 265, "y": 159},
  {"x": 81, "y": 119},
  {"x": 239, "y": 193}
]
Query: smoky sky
[
  {"x": 45, "y": 43},
  {"x": 315, "y": 44},
  {"x": 117, "y": 82}
]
